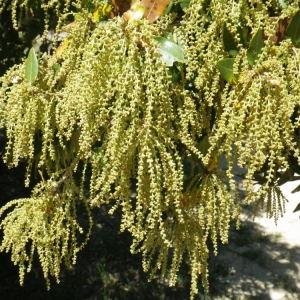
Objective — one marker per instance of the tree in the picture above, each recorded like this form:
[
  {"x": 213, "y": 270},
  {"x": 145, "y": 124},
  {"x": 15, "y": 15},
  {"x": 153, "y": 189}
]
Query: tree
[{"x": 151, "y": 94}]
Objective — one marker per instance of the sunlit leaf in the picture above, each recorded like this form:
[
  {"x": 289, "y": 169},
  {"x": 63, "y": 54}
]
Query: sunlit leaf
[
  {"x": 31, "y": 66},
  {"x": 184, "y": 3},
  {"x": 62, "y": 47},
  {"x": 169, "y": 8},
  {"x": 170, "y": 51},
  {"x": 226, "y": 69},
  {"x": 255, "y": 47},
  {"x": 229, "y": 42},
  {"x": 282, "y": 3},
  {"x": 154, "y": 9},
  {"x": 293, "y": 29},
  {"x": 214, "y": 162},
  {"x": 135, "y": 14},
  {"x": 101, "y": 14},
  {"x": 56, "y": 69}
]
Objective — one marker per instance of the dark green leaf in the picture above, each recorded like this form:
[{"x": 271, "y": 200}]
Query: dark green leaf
[
  {"x": 255, "y": 47},
  {"x": 226, "y": 69},
  {"x": 243, "y": 32},
  {"x": 174, "y": 73},
  {"x": 229, "y": 42},
  {"x": 34, "y": 4},
  {"x": 285, "y": 177},
  {"x": 190, "y": 182},
  {"x": 203, "y": 145},
  {"x": 297, "y": 208},
  {"x": 297, "y": 189},
  {"x": 260, "y": 179},
  {"x": 31, "y": 66},
  {"x": 293, "y": 29},
  {"x": 170, "y": 51}
]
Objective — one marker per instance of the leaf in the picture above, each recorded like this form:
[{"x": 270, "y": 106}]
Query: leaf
[
  {"x": 297, "y": 208},
  {"x": 100, "y": 15},
  {"x": 297, "y": 189},
  {"x": 260, "y": 179},
  {"x": 255, "y": 47},
  {"x": 174, "y": 73},
  {"x": 31, "y": 66},
  {"x": 203, "y": 145},
  {"x": 169, "y": 8},
  {"x": 226, "y": 69},
  {"x": 184, "y": 3},
  {"x": 282, "y": 3},
  {"x": 34, "y": 4},
  {"x": 134, "y": 14},
  {"x": 170, "y": 51},
  {"x": 154, "y": 9},
  {"x": 242, "y": 31},
  {"x": 62, "y": 47},
  {"x": 293, "y": 29},
  {"x": 56, "y": 69},
  {"x": 229, "y": 42},
  {"x": 214, "y": 162},
  {"x": 285, "y": 177},
  {"x": 119, "y": 7}
]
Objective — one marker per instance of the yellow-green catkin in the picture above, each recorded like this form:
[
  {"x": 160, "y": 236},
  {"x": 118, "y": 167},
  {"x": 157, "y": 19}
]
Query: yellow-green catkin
[{"x": 105, "y": 99}]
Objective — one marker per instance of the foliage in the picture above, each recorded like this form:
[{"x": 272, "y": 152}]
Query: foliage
[{"x": 147, "y": 99}]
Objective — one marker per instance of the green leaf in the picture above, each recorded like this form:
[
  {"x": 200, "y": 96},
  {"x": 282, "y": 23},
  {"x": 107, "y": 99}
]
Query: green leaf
[
  {"x": 174, "y": 73},
  {"x": 203, "y": 145},
  {"x": 229, "y": 42},
  {"x": 98, "y": 154},
  {"x": 170, "y": 51},
  {"x": 255, "y": 47},
  {"x": 184, "y": 3},
  {"x": 260, "y": 179},
  {"x": 293, "y": 29},
  {"x": 34, "y": 4},
  {"x": 242, "y": 31},
  {"x": 226, "y": 69},
  {"x": 169, "y": 8},
  {"x": 297, "y": 208},
  {"x": 56, "y": 68},
  {"x": 285, "y": 177},
  {"x": 31, "y": 66},
  {"x": 297, "y": 189}
]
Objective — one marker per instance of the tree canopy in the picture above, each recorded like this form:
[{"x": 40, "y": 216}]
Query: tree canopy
[{"x": 148, "y": 96}]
